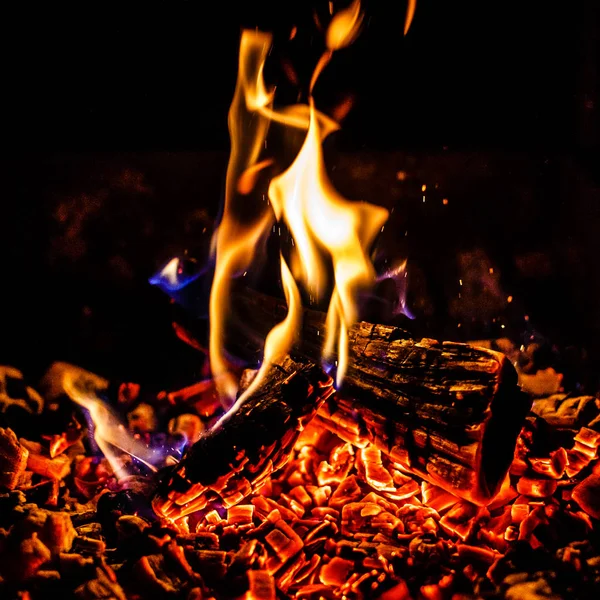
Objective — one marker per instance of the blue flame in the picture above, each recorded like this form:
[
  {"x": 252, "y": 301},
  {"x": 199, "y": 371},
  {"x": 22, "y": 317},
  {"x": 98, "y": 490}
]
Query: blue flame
[
  {"x": 173, "y": 276},
  {"x": 398, "y": 275},
  {"x": 186, "y": 282}
]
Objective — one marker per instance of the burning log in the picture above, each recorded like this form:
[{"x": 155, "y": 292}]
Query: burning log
[
  {"x": 235, "y": 459},
  {"x": 446, "y": 411}
]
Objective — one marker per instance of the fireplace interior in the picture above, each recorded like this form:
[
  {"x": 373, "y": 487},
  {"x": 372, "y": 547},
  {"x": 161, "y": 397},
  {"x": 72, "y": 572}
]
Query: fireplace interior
[{"x": 456, "y": 455}]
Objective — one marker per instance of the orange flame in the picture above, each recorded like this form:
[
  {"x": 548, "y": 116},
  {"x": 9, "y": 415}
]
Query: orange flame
[
  {"x": 236, "y": 240},
  {"x": 280, "y": 338},
  {"x": 326, "y": 228},
  {"x": 344, "y": 27},
  {"x": 342, "y": 31},
  {"x": 321, "y": 219},
  {"x": 410, "y": 13}
]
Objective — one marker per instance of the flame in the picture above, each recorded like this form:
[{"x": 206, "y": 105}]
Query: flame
[
  {"x": 327, "y": 230},
  {"x": 397, "y": 274},
  {"x": 109, "y": 433},
  {"x": 170, "y": 272},
  {"x": 247, "y": 180},
  {"x": 410, "y": 13},
  {"x": 344, "y": 27},
  {"x": 321, "y": 222},
  {"x": 237, "y": 239},
  {"x": 342, "y": 31},
  {"x": 279, "y": 340}
]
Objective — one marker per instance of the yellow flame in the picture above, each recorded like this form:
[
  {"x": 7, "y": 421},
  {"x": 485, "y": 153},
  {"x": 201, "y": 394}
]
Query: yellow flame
[
  {"x": 342, "y": 31},
  {"x": 328, "y": 231},
  {"x": 237, "y": 239},
  {"x": 344, "y": 27},
  {"x": 410, "y": 13},
  {"x": 280, "y": 338},
  {"x": 326, "y": 226},
  {"x": 170, "y": 271}
]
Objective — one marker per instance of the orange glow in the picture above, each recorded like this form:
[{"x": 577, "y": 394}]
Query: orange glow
[
  {"x": 280, "y": 338},
  {"x": 237, "y": 239},
  {"x": 321, "y": 222},
  {"x": 410, "y": 13},
  {"x": 340, "y": 112},
  {"x": 248, "y": 178},
  {"x": 327, "y": 230},
  {"x": 344, "y": 27}
]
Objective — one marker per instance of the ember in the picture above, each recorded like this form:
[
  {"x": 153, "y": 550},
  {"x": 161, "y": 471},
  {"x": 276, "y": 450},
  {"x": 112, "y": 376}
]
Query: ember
[{"x": 334, "y": 520}]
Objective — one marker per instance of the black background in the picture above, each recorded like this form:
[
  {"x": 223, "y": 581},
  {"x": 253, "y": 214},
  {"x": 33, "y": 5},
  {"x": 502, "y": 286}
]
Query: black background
[{"x": 506, "y": 75}]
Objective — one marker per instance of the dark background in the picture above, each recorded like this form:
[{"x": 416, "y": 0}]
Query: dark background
[
  {"x": 470, "y": 74},
  {"x": 115, "y": 132}
]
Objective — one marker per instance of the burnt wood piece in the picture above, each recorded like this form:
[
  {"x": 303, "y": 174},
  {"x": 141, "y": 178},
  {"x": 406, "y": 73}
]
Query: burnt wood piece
[
  {"x": 234, "y": 460},
  {"x": 446, "y": 411}
]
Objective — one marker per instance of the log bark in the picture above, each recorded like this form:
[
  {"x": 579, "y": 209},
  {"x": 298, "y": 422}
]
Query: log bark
[
  {"x": 446, "y": 411},
  {"x": 236, "y": 458}
]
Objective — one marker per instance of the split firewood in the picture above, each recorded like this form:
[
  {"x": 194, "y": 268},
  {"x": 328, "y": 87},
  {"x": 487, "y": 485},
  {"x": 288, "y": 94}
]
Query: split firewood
[
  {"x": 448, "y": 412},
  {"x": 231, "y": 461}
]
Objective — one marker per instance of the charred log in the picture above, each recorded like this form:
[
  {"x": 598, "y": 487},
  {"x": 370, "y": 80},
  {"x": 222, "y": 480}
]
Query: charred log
[
  {"x": 446, "y": 411},
  {"x": 236, "y": 458}
]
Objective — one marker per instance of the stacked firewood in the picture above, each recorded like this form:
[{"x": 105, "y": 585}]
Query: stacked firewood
[{"x": 339, "y": 518}]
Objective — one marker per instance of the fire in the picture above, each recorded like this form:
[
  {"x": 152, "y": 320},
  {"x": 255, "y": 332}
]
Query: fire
[
  {"x": 410, "y": 13},
  {"x": 328, "y": 231},
  {"x": 111, "y": 436},
  {"x": 321, "y": 219},
  {"x": 237, "y": 239},
  {"x": 344, "y": 27}
]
